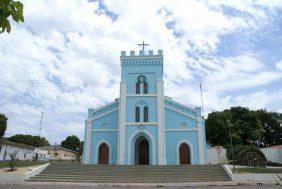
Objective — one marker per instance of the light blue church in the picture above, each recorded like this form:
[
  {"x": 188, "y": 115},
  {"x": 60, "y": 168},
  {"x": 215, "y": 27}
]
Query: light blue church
[{"x": 143, "y": 126}]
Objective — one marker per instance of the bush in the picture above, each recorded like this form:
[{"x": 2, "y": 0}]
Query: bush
[
  {"x": 247, "y": 155},
  {"x": 13, "y": 161}
]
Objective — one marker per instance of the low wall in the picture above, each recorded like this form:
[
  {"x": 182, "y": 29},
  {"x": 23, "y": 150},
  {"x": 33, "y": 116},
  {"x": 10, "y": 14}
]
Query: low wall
[
  {"x": 216, "y": 156},
  {"x": 35, "y": 171},
  {"x": 15, "y": 177},
  {"x": 272, "y": 154}
]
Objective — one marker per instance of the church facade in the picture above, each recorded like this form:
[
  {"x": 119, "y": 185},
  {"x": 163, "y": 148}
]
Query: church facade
[{"x": 143, "y": 126}]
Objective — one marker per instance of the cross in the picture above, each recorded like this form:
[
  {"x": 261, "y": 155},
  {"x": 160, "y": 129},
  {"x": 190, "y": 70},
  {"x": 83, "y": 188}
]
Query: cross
[{"x": 143, "y": 45}]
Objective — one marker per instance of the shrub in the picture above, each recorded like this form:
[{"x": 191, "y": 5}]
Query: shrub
[
  {"x": 247, "y": 155},
  {"x": 13, "y": 161}
]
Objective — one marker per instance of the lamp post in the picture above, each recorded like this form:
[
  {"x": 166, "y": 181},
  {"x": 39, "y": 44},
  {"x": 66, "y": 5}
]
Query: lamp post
[{"x": 229, "y": 126}]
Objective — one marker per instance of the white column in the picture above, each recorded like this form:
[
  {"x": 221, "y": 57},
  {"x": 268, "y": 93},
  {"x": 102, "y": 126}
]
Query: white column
[
  {"x": 161, "y": 134},
  {"x": 200, "y": 136},
  {"x": 121, "y": 122},
  {"x": 88, "y": 125}
]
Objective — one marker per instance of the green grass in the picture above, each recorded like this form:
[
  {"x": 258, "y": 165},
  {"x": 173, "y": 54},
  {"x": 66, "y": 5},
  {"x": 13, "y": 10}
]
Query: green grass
[
  {"x": 259, "y": 170},
  {"x": 20, "y": 164}
]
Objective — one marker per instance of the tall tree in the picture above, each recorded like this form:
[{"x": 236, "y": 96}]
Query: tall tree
[
  {"x": 72, "y": 142},
  {"x": 10, "y": 8},
  {"x": 81, "y": 147},
  {"x": 272, "y": 130},
  {"x": 245, "y": 126},
  {"x": 3, "y": 125},
  {"x": 29, "y": 140}
]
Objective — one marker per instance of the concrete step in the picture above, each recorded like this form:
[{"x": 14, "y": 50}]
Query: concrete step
[{"x": 124, "y": 174}]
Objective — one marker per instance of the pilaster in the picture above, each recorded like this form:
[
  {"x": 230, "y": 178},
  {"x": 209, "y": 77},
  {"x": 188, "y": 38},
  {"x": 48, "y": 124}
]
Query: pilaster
[
  {"x": 121, "y": 124},
  {"x": 200, "y": 136},
  {"x": 88, "y": 125},
  {"x": 161, "y": 132}
]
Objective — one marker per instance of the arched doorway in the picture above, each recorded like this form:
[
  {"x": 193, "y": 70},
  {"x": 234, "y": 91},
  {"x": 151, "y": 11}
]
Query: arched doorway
[
  {"x": 184, "y": 154},
  {"x": 103, "y": 154},
  {"x": 142, "y": 151}
]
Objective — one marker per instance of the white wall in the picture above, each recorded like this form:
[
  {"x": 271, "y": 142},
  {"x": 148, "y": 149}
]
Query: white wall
[
  {"x": 272, "y": 154},
  {"x": 41, "y": 154},
  {"x": 215, "y": 156},
  {"x": 22, "y": 153}
]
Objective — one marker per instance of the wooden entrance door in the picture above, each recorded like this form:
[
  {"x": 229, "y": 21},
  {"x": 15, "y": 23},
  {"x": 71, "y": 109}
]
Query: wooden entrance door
[
  {"x": 143, "y": 152},
  {"x": 103, "y": 154},
  {"x": 184, "y": 154}
]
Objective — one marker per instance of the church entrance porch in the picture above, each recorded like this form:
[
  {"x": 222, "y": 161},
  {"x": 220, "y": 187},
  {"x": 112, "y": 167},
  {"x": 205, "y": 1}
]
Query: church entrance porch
[{"x": 141, "y": 151}]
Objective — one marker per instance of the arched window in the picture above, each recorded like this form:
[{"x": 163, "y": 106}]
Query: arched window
[
  {"x": 141, "y": 80},
  {"x": 145, "y": 89},
  {"x": 138, "y": 87},
  {"x": 137, "y": 114},
  {"x": 146, "y": 114}
]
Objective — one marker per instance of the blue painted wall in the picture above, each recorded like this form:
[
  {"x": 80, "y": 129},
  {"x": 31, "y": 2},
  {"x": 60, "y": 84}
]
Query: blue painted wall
[{"x": 180, "y": 121}]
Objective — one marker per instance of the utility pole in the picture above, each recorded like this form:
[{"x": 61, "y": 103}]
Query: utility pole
[
  {"x": 229, "y": 125},
  {"x": 41, "y": 124},
  {"x": 202, "y": 99}
]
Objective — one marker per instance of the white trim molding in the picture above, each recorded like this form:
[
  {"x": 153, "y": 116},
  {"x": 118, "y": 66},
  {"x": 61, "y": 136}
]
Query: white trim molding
[
  {"x": 187, "y": 115},
  {"x": 104, "y": 130},
  {"x": 121, "y": 124},
  {"x": 161, "y": 130},
  {"x": 104, "y": 114},
  {"x": 200, "y": 143},
  {"x": 141, "y": 123},
  {"x": 182, "y": 130},
  {"x": 88, "y": 125},
  {"x": 97, "y": 151},
  {"x": 105, "y": 106},
  {"x": 141, "y": 95},
  {"x": 191, "y": 151},
  {"x": 131, "y": 146}
]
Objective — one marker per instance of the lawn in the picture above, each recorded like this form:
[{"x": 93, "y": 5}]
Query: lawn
[
  {"x": 259, "y": 170},
  {"x": 21, "y": 164}
]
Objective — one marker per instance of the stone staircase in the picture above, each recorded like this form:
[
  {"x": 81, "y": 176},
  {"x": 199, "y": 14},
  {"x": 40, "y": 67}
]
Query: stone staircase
[{"x": 70, "y": 172}]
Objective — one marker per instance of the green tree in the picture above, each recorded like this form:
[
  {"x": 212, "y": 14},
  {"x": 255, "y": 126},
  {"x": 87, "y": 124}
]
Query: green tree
[
  {"x": 10, "y": 8},
  {"x": 245, "y": 126},
  {"x": 272, "y": 131},
  {"x": 29, "y": 140},
  {"x": 71, "y": 142},
  {"x": 81, "y": 147},
  {"x": 3, "y": 125}
]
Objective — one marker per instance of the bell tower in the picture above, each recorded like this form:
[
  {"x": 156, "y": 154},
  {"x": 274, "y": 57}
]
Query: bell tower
[{"x": 141, "y": 106}]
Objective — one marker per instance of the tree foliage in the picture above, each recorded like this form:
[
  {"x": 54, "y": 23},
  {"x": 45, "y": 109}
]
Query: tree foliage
[
  {"x": 10, "y": 8},
  {"x": 245, "y": 126},
  {"x": 81, "y": 147},
  {"x": 3, "y": 125},
  {"x": 272, "y": 130},
  {"x": 29, "y": 140},
  {"x": 72, "y": 142}
]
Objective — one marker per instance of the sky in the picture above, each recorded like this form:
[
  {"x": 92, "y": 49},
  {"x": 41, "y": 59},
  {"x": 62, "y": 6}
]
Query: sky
[{"x": 64, "y": 58}]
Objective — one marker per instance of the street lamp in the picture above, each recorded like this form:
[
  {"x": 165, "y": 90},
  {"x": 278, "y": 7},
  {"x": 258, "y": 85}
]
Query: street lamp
[{"x": 229, "y": 125}]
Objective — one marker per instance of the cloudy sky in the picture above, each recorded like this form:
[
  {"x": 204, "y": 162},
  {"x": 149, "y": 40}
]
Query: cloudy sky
[{"x": 65, "y": 58}]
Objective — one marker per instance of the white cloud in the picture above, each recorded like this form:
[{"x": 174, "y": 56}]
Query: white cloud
[
  {"x": 65, "y": 57},
  {"x": 279, "y": 65}
]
